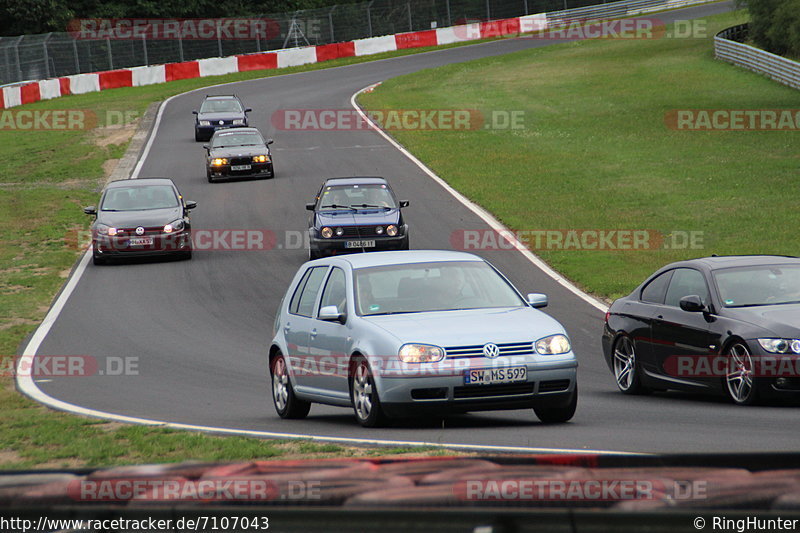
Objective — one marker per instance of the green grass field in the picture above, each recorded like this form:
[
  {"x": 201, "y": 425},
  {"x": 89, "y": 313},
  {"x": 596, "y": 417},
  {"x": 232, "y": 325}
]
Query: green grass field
[{"x": 595, "y": 152}]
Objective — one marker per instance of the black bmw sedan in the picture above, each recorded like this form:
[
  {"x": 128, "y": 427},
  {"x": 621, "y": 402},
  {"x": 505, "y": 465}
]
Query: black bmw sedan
[
  {"x": 239, "y": 153},
  {"x": 140, "y": 217},
  {"x": 726, "y": 325}
]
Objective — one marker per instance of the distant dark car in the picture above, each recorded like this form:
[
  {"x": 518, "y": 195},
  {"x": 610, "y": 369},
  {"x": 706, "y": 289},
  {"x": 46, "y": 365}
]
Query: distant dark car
[
  {"x": 356, "y": 214},
  {"x": 139, "y": 217},
  {"x": 727, "y": 325},
  {"x": 217, "y": 113},
  {"x": 239, "y": 153}
]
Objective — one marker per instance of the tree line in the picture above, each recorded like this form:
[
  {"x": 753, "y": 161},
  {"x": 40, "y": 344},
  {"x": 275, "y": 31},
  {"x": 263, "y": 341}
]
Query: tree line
[{"x": 775, "y": 25}]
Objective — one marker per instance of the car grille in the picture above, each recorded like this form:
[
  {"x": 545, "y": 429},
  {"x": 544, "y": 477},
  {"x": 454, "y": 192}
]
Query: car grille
[
  {"x": 554, "y": 385},
  {"x": 241, "y": 160},
  {"x": 485, "y": 391},
  {"x": 509, "y": 348},
  {"x": 131, "y": 232},
  {"x": 360, "y": 231}
]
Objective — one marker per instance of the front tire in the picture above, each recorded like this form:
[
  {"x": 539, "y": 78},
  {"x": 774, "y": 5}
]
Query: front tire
[
  {"x": 287, "y": 405},
  {"x": 740, "y": 383},
  {"x": 626, "y": 367},
  {"x": 558, "y": 415},
  {"x": 364, "y": 396}
]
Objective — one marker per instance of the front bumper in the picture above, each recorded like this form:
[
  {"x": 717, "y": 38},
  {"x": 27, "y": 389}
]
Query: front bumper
[
  {"x": 551, "y": 385},
  {"x": 339, "y": 245},
  {"x": 163, "y": 244},
  {"x": 257, "y": 170}
]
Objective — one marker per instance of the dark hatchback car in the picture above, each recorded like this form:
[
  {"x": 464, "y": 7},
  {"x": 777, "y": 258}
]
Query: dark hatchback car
[
  {"x": 239, "y": 153},
  {"x": 219, "y": 112},
  {"x": 728, "y": 325},
  {"x": 354, "y": 215},
  {"x": 141, "y": 217}
]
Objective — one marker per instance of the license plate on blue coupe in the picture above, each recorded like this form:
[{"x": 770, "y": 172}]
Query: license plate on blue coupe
[{"x": 496, "y": 376}]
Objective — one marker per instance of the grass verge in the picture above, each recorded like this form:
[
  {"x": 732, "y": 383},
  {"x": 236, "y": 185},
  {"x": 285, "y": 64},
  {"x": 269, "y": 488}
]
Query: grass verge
[{"x": 595, "y": 152}]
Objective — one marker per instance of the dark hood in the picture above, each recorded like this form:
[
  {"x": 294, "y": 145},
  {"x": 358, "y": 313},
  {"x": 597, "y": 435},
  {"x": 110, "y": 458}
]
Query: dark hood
[
  {"x": 236, "y": 151},
  {"x": 146, "y": 218},
  {"x": 224, "y": 115},
  {"x": 362, "y": 217},
  {"x": 780, "y": 320}
]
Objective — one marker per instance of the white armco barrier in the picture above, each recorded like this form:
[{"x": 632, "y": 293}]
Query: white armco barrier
[
  {"x": 49, "y": 89},
  {"x": 217, "y": 66},
  {"x": 148, "y": 75},
  {"x": 84, "y": 83},
  {"x": 297, "y": 56},
  {"x": 12, "y": 96},
  {"x": 530, "y": 23},
  {"x": 375, "y": 45},
  {"x": 457, "y": 34}
]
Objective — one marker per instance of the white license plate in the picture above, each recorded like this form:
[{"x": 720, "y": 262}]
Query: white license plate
[
  {"x": 241, "y": 167},
  {"x": 140, "y": 241},
  {"x": 359, "y": 244},
  {"x": 494, "y": 376}
]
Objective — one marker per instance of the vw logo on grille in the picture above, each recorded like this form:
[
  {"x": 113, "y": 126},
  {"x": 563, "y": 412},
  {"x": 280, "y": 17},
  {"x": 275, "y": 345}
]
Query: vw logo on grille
[
  {"x": 491, "y": 350},
  {"x": 140, "y": 231},
  {"x": 221, "y": 122}
]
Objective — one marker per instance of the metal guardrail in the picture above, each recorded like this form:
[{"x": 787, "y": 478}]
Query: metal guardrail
[
  {"x": 728, "y": 46},
  {"x": 31, "y": 57}
]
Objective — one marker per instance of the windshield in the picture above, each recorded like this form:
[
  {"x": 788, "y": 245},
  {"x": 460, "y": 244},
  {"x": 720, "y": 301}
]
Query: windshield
[
  {"x": 138, "y": 198},
  {"x": 221, "y": 106},
  {"x": 758, "y": 285},
  {"x": 361, "y": 196},
  {"x": 238, "y": 139},
  {"x": 417, "y": 288}
]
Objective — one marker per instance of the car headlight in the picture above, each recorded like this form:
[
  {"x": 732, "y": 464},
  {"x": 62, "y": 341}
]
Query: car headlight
[
  {"x": 205, "y": 122},
  {"x": 176, "y": 225},
  {"x": 326, "y": 232},
  {"x": 238, "y": 122},
  {"x": 219, "y": 161},
  {"x": 260, "y": 159},
  {"x": 780, "y": 345},
  {"x": 102, "y": 229},
  {"x": 420, "y": 353},
  {"x": 553, "y": 345},
  {"x": 391, "y": 231}
]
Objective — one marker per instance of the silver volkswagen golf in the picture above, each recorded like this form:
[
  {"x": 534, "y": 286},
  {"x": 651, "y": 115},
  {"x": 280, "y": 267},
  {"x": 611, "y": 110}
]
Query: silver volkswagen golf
[{"x": 402, "y": 334}]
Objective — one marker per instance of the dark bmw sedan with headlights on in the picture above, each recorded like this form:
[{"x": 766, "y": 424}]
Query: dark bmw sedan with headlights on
[
  {"x": 217, "y": 113},
  {"x": 357, "y": 214},
  {"x": 239, "y": 153},
  {"x": 726, "y": 325},
  {"x": 141, "y": 217}
]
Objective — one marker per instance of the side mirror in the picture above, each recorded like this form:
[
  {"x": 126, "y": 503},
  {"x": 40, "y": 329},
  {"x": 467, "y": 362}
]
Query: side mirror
[
  {"x": 404, "y": 203},
  {"x": 207, "y": 146},
  {"x": 194, "y": 112},
  {"x": 248, "y": 109},
  {"x": 310, "y": 207},
  {"x": 692, "y": 303},
  {"x": 190, "y": 204},
  {"x": 330, "y": 313},
  {"x": 537, "y": 300},
  {"x": 91, "y": 210},
  {"x": 269, "y": 141}
]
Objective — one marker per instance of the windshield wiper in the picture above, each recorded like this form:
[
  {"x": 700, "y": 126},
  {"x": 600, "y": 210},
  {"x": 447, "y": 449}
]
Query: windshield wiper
[
  {"x": 371, "y": 205},
  {"x": 336, "y": 206},
  {"x": 391, "y": 313}
]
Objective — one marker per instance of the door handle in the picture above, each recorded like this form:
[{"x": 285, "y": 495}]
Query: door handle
[
  {"x": 286, "y": 328},
  {"x": 313, "y": 333}
]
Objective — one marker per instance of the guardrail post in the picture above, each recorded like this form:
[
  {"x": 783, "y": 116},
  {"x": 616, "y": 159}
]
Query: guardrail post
[
  {"x": 46, "y": 55},
  {"x": 369, "y": 17},
  {"x": 526, "y": 6},
  {"x": 488, "y": 11},
  {"x": 16, "y": 53},
  {"x": 408, "y": 5},
  {"x": 219, "y": 39},
  {"x": 77, "y": 59},
  {"x": 144, "y": 47},
  {"x": 180, "y": 47},
  {"x": 330, "y": 22}
]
